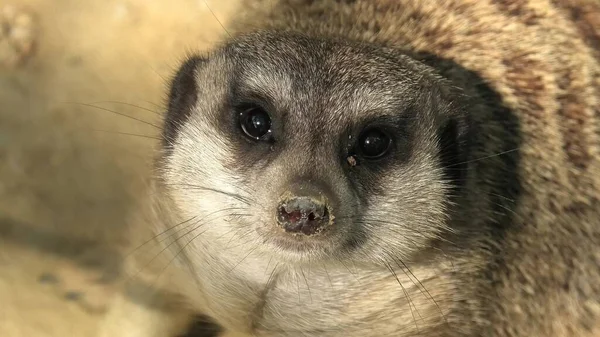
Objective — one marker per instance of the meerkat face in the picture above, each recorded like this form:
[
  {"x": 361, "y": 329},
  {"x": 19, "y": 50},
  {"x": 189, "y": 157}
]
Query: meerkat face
[{"x": 304, "y": 148}]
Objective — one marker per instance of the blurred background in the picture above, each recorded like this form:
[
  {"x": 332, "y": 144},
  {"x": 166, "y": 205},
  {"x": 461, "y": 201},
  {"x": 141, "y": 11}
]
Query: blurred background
[{"x": 70, "y": 165}]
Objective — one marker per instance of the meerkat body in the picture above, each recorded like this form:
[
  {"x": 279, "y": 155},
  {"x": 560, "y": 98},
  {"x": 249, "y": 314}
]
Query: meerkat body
[{"x": 382, "y": 168}]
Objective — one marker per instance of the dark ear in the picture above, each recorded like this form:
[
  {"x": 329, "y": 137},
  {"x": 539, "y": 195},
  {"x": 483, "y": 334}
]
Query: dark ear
[
  {"x": 455, "y": 131},
  {"x": 183, "y": 95},
  {"x": 454, "y": 137}
]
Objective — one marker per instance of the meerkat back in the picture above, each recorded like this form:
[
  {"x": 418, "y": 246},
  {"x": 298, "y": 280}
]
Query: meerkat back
[{"x": 383, "y": 168}]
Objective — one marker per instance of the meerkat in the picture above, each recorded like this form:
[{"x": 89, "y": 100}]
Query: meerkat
[{"x": 380, "y": 168}]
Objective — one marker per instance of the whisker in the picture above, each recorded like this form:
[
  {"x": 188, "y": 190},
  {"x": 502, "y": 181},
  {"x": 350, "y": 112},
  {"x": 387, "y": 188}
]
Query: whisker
[
  {"x": 483, "y": 158},
  {"x": 178, "y": 231},
  {"x": 232, "y": 230},
  {"x": 173, "y": 242},
  {"x": 245, "y": 257},
  {"x": 156, "y": 105},
  {"x": 246, "y": 190},
  {"x": 157, "y": 235},
  {"x": 127, "y": 134},
  {"x": 216, "y": 18},
  {"x": 184, "y": 246},
  {"x": 268, "y": 264},
  {"x": 389, "y": 267},
  {"x": 398, "y": 226},
  {"x": 401, "y": 264},
  {"x": 503, "y": 197},
  {"x": 348, "y": 269},
  {"x": 153, "y": 258},
  {"x": 327, "y": 274},
  {"x": 421, "y": 284},
  {"x": 196, "y": 225},
  {"x": 241, "y": 215},
  {"x": 116, "y": 113},
  {"x": 378, "y": 221},
  {"x": 399, "y": 229},
  {"x": 232, "y": 237},
  {"x": 179, "y": 252},
  {"x": 236, "y": 196},
  {"x": 243, "y": 243},
  {"x": 188, "y": 226},
  {"x": 131, "y": 105},
  {"x": 298, "y": 286},
  {"x": 506, "y": 209},
  {"x": 306, "y": 281},
  {"x": 271, "y": 277},
  {"x": 447, "y": 257}
]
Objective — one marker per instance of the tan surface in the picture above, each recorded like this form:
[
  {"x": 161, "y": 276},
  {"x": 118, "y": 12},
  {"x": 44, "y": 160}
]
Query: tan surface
[{"x": 65, "y": 189}]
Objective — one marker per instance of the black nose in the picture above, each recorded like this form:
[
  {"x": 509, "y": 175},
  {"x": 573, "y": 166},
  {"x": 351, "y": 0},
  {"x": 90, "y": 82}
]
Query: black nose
[{"x": 303, "y": 215}]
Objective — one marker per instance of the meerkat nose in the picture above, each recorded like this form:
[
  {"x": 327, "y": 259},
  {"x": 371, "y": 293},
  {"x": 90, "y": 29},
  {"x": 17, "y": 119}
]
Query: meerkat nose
[{"x": 303, "y": 215}]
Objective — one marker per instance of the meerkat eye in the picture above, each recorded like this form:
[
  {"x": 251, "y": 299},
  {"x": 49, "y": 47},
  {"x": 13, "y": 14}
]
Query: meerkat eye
[
  {"x": 373, "y": 143},
  {"x": 255, "y": 123}
]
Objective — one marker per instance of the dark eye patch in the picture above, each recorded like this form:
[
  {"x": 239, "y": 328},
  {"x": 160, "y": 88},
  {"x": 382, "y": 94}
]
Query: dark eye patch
[
  {"x": 384, "y": 139},
  {"x": 249, "y": 113},
  {"x": 252, "y": 123}
]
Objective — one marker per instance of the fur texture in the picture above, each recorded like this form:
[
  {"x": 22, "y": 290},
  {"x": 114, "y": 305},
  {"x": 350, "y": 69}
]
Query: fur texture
[
  {"x": 542, "y": 58},
  {"x": 505, "y": 244}
]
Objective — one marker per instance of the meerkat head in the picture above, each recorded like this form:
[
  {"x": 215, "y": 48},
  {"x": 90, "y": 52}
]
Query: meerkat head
[{"x": 300, "y": 148}]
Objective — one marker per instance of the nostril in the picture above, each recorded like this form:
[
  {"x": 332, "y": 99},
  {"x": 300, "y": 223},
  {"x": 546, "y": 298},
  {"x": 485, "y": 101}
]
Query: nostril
[
  {"x": 294, "y": 216},
  {"x": 303, "y": 215}
]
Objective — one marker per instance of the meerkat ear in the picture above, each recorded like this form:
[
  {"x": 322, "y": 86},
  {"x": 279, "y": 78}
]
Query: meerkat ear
[
  {"x": 182, "y": 97},
  {"x": 454, "y": 134},
  {"x": 454, "y": 147}
]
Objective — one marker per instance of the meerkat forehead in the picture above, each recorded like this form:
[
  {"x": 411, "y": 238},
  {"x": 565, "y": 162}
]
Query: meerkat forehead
[
  {"x": 365, "y": 79},
  {"x": 310, "y": 82}
]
